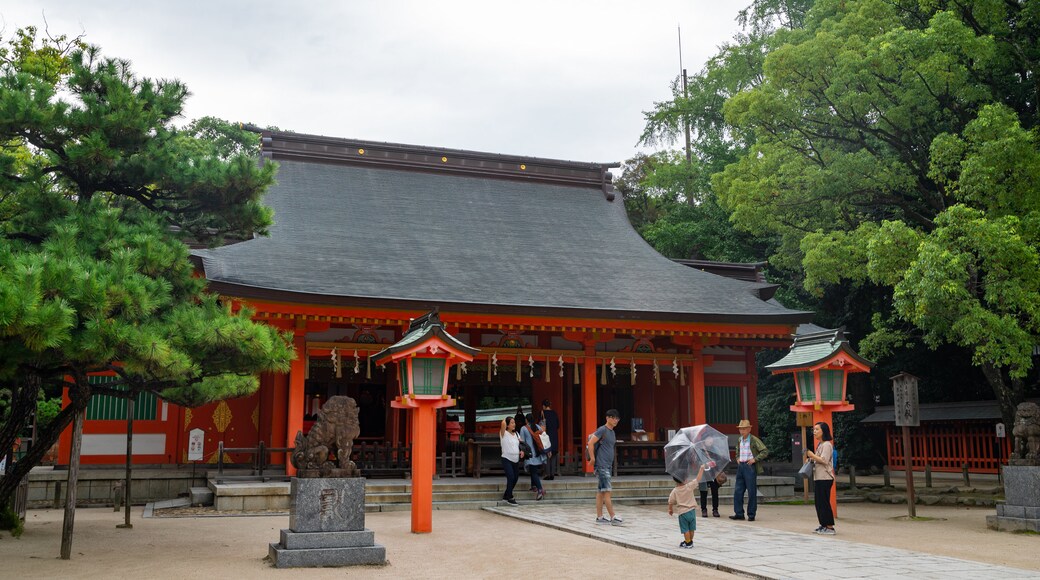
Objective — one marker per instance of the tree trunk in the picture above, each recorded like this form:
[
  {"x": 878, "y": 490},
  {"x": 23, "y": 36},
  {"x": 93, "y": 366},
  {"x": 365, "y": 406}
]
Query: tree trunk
[
  {"x": 47, "y": 438},
  {"x": 1009, "y": 392},
  {"x": 71, "y": 487},
  {"x": 23, "y": 403}
]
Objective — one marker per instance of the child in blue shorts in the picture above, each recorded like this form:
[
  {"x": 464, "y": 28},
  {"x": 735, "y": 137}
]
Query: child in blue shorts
[{"x": 683, "y": 502}]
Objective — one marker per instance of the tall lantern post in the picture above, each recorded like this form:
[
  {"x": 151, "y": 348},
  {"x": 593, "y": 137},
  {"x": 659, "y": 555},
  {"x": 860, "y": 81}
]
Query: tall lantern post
[
  {"x": 821, "y": 363},
  {"x": 424, "y": 356}
]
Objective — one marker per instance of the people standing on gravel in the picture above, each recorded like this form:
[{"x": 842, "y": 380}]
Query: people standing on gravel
[
  {"x": 510, "y": 442},
  {"x": 535, "y": 462},
  {"x": 601, "y": 455},
  {"x": 823, "y": 477},
  {"x": 551, "y": 424},
  {"x": 750, "y": 450}
]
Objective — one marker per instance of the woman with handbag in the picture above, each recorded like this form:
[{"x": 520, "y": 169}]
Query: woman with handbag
[
  {"x": 823, "y": 477},
  {"x": 510, "y": 442},
  {"x": 535, "y": 462}
]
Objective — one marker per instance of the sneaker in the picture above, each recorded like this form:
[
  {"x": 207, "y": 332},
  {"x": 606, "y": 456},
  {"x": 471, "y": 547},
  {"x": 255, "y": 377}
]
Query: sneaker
[
  {"x": 736, "y": 517},
  {"x": 541, "y": 494},
  {"x": 818, "y": 529},
  {"x": 827, "y": 532},
  {"x": 533, "y": 488},
  {"x": 704, "y": 513},
  {"x": 685, "y": 544},
  {"x": 511, "y": 501},
  {"x": 751, "y": 518},
  {"x": 617, "y": 521},
  {"x": 602, "y": 520},
  {"x": 715, "y": 513}
]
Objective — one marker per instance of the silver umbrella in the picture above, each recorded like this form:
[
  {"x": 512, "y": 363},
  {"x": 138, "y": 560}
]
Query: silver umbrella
[{"x": 693, "y": 448}]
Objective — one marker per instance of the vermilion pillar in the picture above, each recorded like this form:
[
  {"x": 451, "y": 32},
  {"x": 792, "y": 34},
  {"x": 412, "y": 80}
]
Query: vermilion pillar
[
  {"x": 294, "y": 404},
  {"x": 589, "y": 417},
  {"x": 424, "y": 427},
  {"x": 700, "y": 413}
]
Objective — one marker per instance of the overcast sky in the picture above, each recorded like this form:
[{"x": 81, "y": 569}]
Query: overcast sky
[{"x": 556, "y": 79}]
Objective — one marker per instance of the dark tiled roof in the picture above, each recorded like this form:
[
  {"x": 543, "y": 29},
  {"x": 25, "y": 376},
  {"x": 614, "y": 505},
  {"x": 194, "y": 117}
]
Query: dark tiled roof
[
  {"x": 960, "y": 411},
  {"x": 421, "y": 237},
  {"x": 751, "y": 272}
]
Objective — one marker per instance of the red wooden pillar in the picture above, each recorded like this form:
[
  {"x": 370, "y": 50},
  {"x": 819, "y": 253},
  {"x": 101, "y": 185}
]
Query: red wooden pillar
[
  {"x": 700, "y": 413},
  {"x": 424, "y": 427},
  {"x": 294, "y": 403},
  {"x": 589, "y": 412}
]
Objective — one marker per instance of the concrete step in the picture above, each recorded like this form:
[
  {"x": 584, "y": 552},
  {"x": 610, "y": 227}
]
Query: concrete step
[{"x": 201, "y": 496}]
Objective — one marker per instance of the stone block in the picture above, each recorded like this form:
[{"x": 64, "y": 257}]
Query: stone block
[
  {"x": 361, "y": 556},
  {"x": 1031, "y": 513},
  {"x": 314, "y": 540},
  {"x": 223, "y": 503},
  {"x": 327, "y": 504},
  {"x": 1012, "y": 511},
  {"x": 1022, "y": 485}
]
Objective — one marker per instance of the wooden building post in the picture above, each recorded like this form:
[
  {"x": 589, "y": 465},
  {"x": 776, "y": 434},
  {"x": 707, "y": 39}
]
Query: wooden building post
[
  {"x": 697, "y": 386},
  {"x": 589, "y": 413},
  {"x": 294, "y": 404}
]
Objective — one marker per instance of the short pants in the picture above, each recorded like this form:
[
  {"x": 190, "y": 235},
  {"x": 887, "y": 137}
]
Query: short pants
[
  {"x": 688, "y": 521},
  {"x": 603, "y": 477}
]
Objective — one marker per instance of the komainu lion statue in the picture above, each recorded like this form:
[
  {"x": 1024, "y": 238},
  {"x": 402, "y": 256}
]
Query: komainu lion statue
[
  {"x": 1027, "y": 435},
  {"x": 333, "y": 434}
]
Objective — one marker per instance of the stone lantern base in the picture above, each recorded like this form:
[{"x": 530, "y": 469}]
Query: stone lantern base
[
  {"x": 1021, "y": 508},
  {"x": 327, "y": 526}
]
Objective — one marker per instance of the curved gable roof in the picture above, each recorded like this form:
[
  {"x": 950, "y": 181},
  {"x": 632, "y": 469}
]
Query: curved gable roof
[{"x": 397, "y": 233}]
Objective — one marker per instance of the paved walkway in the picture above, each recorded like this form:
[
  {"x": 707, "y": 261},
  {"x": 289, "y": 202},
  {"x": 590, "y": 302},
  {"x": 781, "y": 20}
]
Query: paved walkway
[{"x": 755, "y": 551}]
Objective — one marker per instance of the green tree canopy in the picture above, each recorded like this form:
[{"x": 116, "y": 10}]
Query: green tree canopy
[
  {"x": 895, "y": 145},
  {"x": 98, "y": 188}
]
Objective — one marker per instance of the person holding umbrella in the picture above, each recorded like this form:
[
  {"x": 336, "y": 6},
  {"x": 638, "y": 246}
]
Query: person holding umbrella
[{"x": 750, "y": 450}]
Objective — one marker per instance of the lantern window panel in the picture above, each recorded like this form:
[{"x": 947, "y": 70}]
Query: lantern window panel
[
  {"x": 427, "y": 376},
  {"x": 806, "y": 391},
  {"x": 831, "y": 382},
  {"x": 402, "y": 368}
]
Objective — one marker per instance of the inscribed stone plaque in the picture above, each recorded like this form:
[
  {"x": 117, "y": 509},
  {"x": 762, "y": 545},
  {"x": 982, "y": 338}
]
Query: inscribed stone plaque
[{"x": 327, "y": 504}]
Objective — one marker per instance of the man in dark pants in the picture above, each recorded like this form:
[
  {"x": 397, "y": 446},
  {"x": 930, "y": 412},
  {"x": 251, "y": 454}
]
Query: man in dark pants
[
  {"x": 750, "y": 450},
  {"x": 551, "y": 424}
]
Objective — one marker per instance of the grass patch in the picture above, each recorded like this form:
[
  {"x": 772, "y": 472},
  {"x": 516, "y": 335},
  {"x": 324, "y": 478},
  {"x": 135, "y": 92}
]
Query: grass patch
[
  {"x": 9, "y": 520},
  {"x": 1026, "y": 532}
]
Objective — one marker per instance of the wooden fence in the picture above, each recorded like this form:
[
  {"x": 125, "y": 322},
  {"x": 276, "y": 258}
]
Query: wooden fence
[{"x": 949, "y": 447}]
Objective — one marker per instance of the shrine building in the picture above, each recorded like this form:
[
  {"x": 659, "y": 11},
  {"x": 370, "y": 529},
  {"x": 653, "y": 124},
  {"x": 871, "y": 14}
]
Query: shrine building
[{"x": 533, "y": 261}]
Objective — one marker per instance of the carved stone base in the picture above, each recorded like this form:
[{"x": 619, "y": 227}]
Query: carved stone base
[
  {"x": 1021, "y": 508},
  {"x": 327, "y": 526}
]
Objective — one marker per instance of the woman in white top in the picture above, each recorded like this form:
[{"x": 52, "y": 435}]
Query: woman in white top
[
  {"x": 823, "y": 477},
  {"x": 510, "y": 441}
]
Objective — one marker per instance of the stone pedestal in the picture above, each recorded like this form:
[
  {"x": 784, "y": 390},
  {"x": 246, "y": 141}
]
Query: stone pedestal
[
  {"x": 327, "y": 526},
  {"x": 1021, "y": 508}
]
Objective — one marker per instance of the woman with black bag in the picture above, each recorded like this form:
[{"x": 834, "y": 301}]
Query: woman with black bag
[
  {"x": 823, "y": 477},
  {"x": 535, "y": 462}
]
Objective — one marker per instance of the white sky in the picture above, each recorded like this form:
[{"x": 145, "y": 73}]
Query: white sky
[{"x": 557, "y": 79}]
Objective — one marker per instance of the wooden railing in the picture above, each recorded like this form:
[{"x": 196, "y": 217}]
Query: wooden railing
[
  {"x": 630, "y": 458},
  {"x": 374, "y": 460},
  {"x": 949, "y": 447}
]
